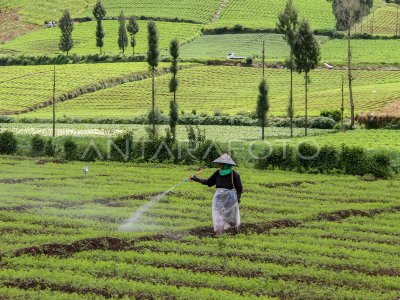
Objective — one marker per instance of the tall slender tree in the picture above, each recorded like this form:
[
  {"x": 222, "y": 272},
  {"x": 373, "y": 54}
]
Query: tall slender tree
[
  {"x": 122, "y": 34},
  {"x": 66, "y": 26},
  {"x": 173, "y": 86},
  {"x": 287, "y": 24},
  {"x": 54, "y": 100},
  {"x": 348, "y": 13},
  {"x": 262, "y": 106},
  {"x": 99, "y": 12},
  {"x": 307, "y": 56},
  {"x": 153, "y": 55},
  {"x": 133, "y": 29}
]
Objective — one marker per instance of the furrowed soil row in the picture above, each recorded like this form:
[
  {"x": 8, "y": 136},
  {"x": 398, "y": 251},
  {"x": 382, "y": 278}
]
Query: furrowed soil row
[{"x": 116, "y": 244}]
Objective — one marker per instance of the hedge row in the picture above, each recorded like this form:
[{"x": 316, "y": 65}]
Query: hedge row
[
  {"x": 371, "y": 121},
  {"x": 123, "y": 148},
  {"x": 327, "y": 159},
  {"x": 187, "y": 119}
]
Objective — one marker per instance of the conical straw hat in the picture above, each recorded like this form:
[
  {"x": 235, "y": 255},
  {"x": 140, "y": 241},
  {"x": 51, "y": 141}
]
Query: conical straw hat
[{"x": 225, "y": 159}]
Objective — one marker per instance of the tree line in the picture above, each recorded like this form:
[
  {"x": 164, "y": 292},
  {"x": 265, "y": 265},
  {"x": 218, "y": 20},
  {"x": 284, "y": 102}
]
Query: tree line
[
  {"x": 153, "y": 57},
  {"x": 304, "y": 54},
  {"x": 99, "y": 12}
]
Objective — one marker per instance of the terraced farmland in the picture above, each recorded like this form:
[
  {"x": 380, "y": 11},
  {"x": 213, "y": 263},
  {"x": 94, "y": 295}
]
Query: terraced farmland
[
  {"x": 24, "y": 87},
  {"x": 249, "y": 45},
  {"x": 234, "y": 89},
  {"x": 383, "y": 21},
  {"x": 39, "y": 11},
  {"x": 364, "y": 52},
  {"x": 45, "y": 41},
  {"x": 264, "y": 14},
  {"x": 198, "y": 11},
  {"x": 304, "y": 250}
]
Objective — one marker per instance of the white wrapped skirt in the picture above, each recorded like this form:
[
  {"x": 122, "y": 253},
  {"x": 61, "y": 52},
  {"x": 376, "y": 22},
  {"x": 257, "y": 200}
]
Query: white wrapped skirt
[{"x": 225, "y": 209}]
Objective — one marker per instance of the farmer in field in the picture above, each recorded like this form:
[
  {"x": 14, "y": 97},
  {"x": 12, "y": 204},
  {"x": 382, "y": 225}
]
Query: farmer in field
[{"x": 225, "y": 207}]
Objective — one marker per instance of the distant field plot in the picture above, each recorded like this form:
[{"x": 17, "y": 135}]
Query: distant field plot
[
  {"x": 45, "y": 41},
  {"x": 23, "y": 87},
  {"x": 364, "y": 52},
  {"x": 40, "y": 11},
  {"x": 219, "y": 46},
  {"x": 264, "y": 14},
  {"x": 199, "y": 11},
  {"x": 235, "y": 89},
  {"x": 383, "y": 21}
]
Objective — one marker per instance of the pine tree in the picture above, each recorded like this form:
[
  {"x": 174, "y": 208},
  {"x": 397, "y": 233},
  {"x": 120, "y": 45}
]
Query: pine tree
[
  {"x": 152, "y": 59},
  {"x": 287, "y": 24},
  {"x": 133, "y": 29},
  {"x": 122, "y": 34},
  {"x": 262, "y": 106},
  {"x": 173, "y": 86},
  {"x": 307, "y": 56},
  {"x": 66, "y": 26},
  {"x": 348, "y": 13},
  {"x": 99, "y": 12}
]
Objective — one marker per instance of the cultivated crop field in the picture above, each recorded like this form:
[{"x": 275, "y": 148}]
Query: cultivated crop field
[
  {"x": 198, "y": 11},
  {"x": 39, "y": 11},
  {"x": 45, "y": 41},
  {"x": 364, "y": 52},
  {"x": 384, "y": 21},
  {"x": 234, "y": 89},
  {"x": 24, "y": 87},
  {"x": 302, "y": 244},
  {"x": 264, "y": 14},
  {"x": 249, "y": 45}
]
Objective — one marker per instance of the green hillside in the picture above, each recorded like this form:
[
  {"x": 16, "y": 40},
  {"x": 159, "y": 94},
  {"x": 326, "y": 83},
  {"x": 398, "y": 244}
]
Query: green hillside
[
  {"x": 384, "y": 21},
  {"x": 39, "y": 11},
  {"x": 198, "y": 11},
  {"x": 234, "y": 89},
  {"x": 45, "y": 41},
  {"x": 264, "y": 14},
  {"x": 22, "y": 87}
]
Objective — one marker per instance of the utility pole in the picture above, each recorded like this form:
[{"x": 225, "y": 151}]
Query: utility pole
[
  {"x": 54, "y": 100},
  {"x": 342, "y": 109},
  {"x": 397, "y": 21},
  {"x": 263, "y": 59}
]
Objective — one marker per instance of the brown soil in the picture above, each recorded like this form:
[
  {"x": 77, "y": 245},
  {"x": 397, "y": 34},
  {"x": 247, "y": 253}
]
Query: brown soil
[
  {"x": 286, "y": 184},
  {"x": 47, "y": 161},
  {"x": 12, "y": 26}
]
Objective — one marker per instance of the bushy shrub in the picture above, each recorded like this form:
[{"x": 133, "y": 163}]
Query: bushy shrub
[
  {"x": 207, "y": 151},
  {"x": 333, "y": 114},
  {"x": 70, "y": 149},
  {"x": 322, "y": 123},
  {"x": 50, "y": 148},
  {"x": 282, "y": 157},
  {"x": 121, "y": 148},
  {"x": 306, "y": 155},
  {"x": 327, "y": 159},
  {"x": 8, "y": 143},
  {"x": 354, "y": 160},
  {"x": 6, "y": 119},
  {"x": 380, "y": 165},
  {"x": 38, "y": 145}
]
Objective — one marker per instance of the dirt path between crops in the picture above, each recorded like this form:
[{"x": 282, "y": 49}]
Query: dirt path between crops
[
  {"x": 12, "y": 26},
  {"x": 215, "y": 17},
  {"x": 117, "y": 244}
]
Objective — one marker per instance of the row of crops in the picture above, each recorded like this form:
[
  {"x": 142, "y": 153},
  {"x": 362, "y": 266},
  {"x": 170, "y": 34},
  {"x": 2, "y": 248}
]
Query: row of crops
[
  {"x": 357, "y": 257},
  {"x": 234, "y": 89},
  {"x": 198, "y": 11},
  {"x": 26, "y": 86},
  {"x": 45, "y": 41},
  {"x": 264, "y": 14},
  {"x": 364, "y": 52}
]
